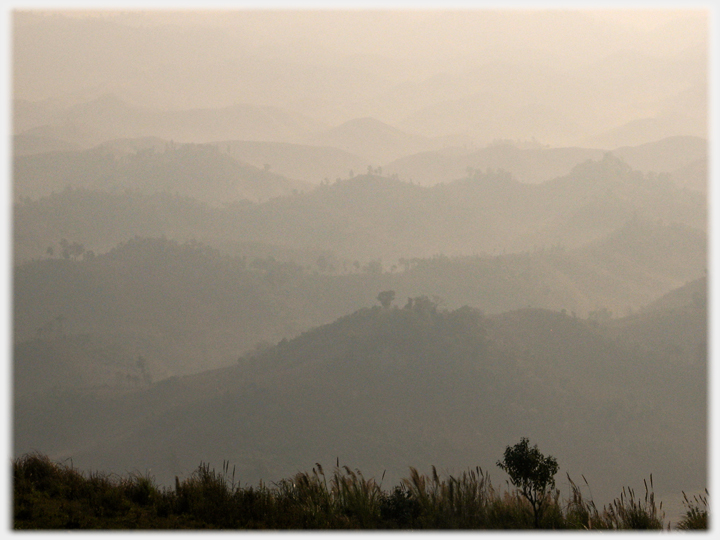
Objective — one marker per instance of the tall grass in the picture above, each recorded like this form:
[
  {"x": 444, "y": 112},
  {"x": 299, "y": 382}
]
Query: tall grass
[
  {"x": 50, "y": 495},
  {"x": 696, "y": 512}
]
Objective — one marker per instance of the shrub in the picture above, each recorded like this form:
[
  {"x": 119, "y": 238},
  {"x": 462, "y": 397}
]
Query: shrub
[{"x": 696, "y": 513}]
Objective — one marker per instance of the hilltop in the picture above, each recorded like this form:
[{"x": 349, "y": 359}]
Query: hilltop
[
  {"x": 308, "y": 163},
  {"x": 527, "y": 165},
  {"x": 534, "y": 164},
  {"x": 377, "y": 141}
]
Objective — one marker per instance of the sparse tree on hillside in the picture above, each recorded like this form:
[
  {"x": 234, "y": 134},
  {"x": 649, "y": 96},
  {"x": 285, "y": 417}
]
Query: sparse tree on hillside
[
  {"x": 373, "y": 267},
  {"x": 386, "y": 298},
  {"x": 73, "y": 250}
]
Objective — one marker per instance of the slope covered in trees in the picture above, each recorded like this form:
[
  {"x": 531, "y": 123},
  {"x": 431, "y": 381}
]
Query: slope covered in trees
[
  {"x": 373, "y": 217},
  {"x": 384, "y": 385},
  {"x": 187, "y": 307}
]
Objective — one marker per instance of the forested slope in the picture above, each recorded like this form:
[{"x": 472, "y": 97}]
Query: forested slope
[{"x": 384, "y": 387}]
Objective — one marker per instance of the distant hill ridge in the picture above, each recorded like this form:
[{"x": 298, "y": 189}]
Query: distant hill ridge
[
  {"x": 108, "y": 117},
  {"x": 537, "y": 165},
  {"x": 367, "y": 217},
  {"x": 371, "y": 138},
  {"x": 151, "y": 164}
]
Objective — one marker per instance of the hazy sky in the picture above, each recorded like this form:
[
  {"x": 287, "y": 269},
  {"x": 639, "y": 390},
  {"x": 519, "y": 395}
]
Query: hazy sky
[{"x": 554, "y": 74}]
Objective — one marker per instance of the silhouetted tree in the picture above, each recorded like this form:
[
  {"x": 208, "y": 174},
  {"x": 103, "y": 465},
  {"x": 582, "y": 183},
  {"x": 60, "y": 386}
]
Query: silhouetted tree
[
  {"x": 532, "y": 472},
  {"x": 385, "y": 298}
]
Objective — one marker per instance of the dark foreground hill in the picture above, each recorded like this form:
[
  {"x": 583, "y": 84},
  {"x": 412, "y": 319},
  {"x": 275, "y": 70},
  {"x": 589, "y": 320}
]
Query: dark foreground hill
[{"x": 385, "y": 387}]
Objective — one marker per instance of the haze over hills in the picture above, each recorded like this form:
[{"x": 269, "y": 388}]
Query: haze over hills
[
  {"x": 365, "y": 218},
  {"x": 665, "y": 155},
  {"x": 186, "y": 307},
  {"x": 33, "y": 144},
  {"x": 532, "y": 163},
  {"x": 527, "y": 165},
  {"x": 312, "y": 164},
  {"x": 108, "y": 117},
  {"x": 208, "y": 207},
  {"x": 498, "y": 83},
  {"x": 150, "y": 165},
  {"x": 371, "y": 138}
]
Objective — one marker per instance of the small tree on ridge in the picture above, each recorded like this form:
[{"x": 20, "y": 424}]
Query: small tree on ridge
[{"x": 385, "y": 298}]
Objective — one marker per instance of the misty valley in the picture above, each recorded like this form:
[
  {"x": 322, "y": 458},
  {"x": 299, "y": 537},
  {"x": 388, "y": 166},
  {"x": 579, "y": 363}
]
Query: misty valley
[{"x": 284, "y": 284}]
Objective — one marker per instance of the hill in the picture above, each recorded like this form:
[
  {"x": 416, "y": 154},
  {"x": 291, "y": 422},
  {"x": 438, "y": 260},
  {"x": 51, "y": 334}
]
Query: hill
[
  {"x": 527, "y": 165},
  {"x": 540, "y": 164},
  {"x": 365, "y": 218},
  {"x": 692, "y": 293},
  {"x": 312, "y": 164},
  {"x": 643, "y": 130},
  {"x": 374, "y": 217},
  {"x": 382, "y": 385},
  {"x": 620, "y": 272},
  {"x": 24, "y": 145},
  {"x": 693, "y": 176},
  {"x": 149, "y": 165},
  {"x": 28, "y": 114},
  {"x": 375, "y": 140},
  {"x": 185, "y": 307},
  {"x": 665, "y": 155},
  {"x": 108, "y": 117}
]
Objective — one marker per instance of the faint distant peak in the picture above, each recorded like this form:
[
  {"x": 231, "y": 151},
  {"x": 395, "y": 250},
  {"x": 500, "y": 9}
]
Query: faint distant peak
[
  {"x": 368, "y": 123},
  {"x": 105, "y": 102},
  {"x": 685, "y": 141}
]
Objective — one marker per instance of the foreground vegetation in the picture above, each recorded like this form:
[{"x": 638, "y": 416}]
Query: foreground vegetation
[{"x": 49, "y": 495}]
